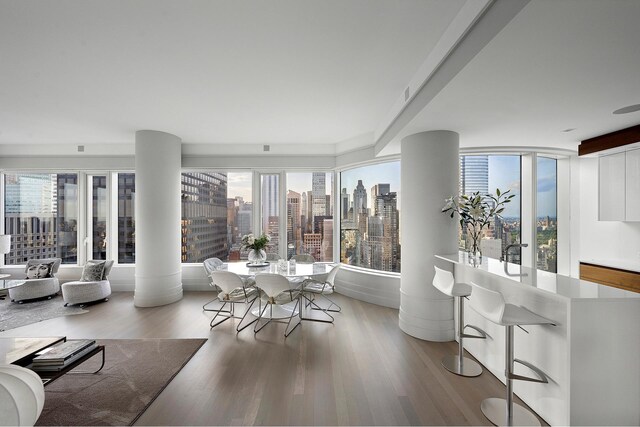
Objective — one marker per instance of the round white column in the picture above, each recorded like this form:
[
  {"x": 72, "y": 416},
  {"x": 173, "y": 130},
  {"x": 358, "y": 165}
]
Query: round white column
[
  {"x": 429, "y": 174},
  {"x": 158, "y": 264}
]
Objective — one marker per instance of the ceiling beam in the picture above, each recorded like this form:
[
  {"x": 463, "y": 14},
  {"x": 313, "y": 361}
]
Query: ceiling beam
[{"x": 477, "y": 23}]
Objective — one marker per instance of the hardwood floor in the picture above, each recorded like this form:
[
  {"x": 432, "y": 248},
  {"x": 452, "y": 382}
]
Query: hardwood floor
[{"x": 362, "y": 370}]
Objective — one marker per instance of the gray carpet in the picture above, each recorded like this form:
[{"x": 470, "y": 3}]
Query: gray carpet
[
  {"x": 14, "y": 315},
  {"x": 135, "y": 373}
]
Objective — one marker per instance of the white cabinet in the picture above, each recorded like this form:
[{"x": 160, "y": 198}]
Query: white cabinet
[
  {"x": 611, "y": 189},
  {"x": 633, "y": 185}
]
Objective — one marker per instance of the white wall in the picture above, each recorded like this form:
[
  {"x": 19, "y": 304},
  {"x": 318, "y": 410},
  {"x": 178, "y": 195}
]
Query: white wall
[{"x": 603, "y": 240}]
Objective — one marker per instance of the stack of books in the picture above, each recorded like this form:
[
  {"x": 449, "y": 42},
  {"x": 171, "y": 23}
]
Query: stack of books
[{"x": 59, "y": 356}]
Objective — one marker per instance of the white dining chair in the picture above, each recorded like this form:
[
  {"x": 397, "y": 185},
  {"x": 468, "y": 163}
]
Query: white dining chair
[
  {"x": 232, "y": 292},
  {"x": 322, "y": 289},
  {"x": 275, "y": 290}
]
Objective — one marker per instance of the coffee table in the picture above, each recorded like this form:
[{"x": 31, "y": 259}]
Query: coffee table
[
  {"x": 21, "y": 351},
  {"x": 7, "y": 284}
]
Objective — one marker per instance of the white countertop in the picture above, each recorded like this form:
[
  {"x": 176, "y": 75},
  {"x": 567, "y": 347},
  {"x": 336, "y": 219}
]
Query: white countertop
[
  {"x": 615, "y": 263},
  {"x": 564, "y": 286}
]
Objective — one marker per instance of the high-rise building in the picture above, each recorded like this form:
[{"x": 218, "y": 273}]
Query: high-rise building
[
  {"x": 318, "y": 195},
  {"x": 269, "y": 197},
  {"x": 376, "y": 191},
  {"x": 204, "y": 216},
  {"x": 344, "y": 204},
  {"x": 359, "y": 199},
  {"x": 383, "y": 233},
  {"x": 474, "y": 174},
  {"x": 312, "y": 244},
  {"x": 294, "y": 228},
  {"x": 327, "y": 239}
]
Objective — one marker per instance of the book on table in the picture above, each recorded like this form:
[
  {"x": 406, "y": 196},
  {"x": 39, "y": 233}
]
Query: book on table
[{"x": 63, "y": 353}]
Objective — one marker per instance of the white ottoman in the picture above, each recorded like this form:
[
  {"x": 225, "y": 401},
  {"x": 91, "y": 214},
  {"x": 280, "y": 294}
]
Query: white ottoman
[{"x": 85, "y": 292}]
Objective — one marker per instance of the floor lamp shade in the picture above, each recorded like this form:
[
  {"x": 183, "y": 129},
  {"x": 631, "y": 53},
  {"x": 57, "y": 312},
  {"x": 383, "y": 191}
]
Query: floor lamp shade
[
  {"x": 21, "y": 396},
  {"x": 5, "y": 243}
]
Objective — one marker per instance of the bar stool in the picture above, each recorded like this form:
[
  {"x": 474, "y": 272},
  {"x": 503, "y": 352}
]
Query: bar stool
[
  {"x": 459, "y": 365},
  {"x": 491, "y": 305}
]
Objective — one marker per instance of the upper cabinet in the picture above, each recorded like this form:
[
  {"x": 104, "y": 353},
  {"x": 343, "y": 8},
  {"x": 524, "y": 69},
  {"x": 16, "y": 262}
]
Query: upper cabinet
[
  {"x": 632, "y": 185},
  {"x": 619, "y": 186},
  {"x": 619, "y": 175},
  {"x": 611, "y": 183}
]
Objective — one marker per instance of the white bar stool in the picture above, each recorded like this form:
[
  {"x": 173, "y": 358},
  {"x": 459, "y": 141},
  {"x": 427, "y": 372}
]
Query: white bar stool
[
  {"x": 459, "y": 365},
  {"x": 491, "y": 305}
]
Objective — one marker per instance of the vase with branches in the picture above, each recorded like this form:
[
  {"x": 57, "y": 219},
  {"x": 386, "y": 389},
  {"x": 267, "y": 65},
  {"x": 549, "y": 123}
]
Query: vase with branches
[{"x": 475, "y": 212}]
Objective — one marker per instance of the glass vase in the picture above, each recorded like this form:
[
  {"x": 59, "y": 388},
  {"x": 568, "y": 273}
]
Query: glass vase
[{"x": 257, "y": 256}]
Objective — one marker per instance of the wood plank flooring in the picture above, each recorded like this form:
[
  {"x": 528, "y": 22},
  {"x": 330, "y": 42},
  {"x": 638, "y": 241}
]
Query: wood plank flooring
[{"x": 362, "y": 370}]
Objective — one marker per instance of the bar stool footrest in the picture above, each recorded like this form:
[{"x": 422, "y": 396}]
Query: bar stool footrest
[
  {"x": 542, "y": 377},
  {"x": 482, "y": 334}
]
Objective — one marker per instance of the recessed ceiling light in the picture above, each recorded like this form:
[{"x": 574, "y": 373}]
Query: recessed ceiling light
[
  {"x": 568, "y": 130},
  {"x": 629, "y": 109}
]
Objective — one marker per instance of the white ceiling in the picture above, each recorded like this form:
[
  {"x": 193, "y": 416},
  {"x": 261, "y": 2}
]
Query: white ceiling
[
  {"x": 557, "y": 65},
  {"x": 295, "y": 72},
  {"x": 223, "y": 72}
]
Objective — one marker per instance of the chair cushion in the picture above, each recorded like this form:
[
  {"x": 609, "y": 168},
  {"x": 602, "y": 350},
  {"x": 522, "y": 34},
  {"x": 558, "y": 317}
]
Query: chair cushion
[
  {"x": 92, "y": 271},
  {"x": 54, "y": 268},
  {"x": 39, "y": 271}
]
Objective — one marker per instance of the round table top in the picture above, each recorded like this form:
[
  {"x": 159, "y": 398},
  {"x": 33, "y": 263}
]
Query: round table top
[
  {"x": 8, "y": 284},
  {"x": 297, "y": 270}
]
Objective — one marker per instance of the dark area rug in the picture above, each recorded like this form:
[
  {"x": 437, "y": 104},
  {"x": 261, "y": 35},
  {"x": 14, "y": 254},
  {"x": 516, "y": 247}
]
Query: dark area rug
[
  {"x": 14, "y": 315},
  {"x": 134, "y": 374}
]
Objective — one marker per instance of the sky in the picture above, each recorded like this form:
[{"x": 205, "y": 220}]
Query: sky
[{"x": 504, "y": 173}]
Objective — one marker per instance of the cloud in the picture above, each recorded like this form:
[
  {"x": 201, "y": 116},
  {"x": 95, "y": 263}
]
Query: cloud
[{"x": 546, "y": 184}]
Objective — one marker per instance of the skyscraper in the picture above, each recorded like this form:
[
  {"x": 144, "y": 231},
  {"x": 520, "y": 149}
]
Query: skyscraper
[
  {"x": 294, "y": 228},
  {"x": 318, "y": 195},
  {"x": 474, "y": 174},
  {"x": 344, "y": 204},
  {"x": 204, "y": 216},
  {"x": 270, "y": 196}
]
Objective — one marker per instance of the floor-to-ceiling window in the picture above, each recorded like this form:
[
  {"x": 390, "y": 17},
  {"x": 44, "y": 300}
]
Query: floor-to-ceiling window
[
  {"x": 98, "y": 216},
  {"x": 370, "y": 216},
  {"x": 270, "y": 210},
  {"x": 126, "y": 218},
  {"x": 546, "y": 216},
  {"x": 310, "y": 215},
  {"x": 41, "y": 215},
  {"x": 485, "y": 174}
]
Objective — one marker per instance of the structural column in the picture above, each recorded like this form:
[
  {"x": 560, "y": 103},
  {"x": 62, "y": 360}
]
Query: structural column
[
  {"x": 158, "y": 263},
  {"x": 429, "y": 174}
]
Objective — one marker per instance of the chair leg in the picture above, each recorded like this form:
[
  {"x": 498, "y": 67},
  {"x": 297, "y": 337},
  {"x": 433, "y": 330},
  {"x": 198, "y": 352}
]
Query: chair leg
[
  {"x": 238, "y": 328},
  {"x": 315, "y": 306},
  {"x": 213, "y": 325},
  {"x": 332, "y": 303},
  {"x": 257, "y": 329},
  {"x": 286, "y": 334}
]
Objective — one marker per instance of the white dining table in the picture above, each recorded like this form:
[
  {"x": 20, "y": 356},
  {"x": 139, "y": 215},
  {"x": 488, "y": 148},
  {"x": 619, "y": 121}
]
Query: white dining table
[
  {"x": 291, "y": 270},
  {"x": 294, "y": 271}
]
